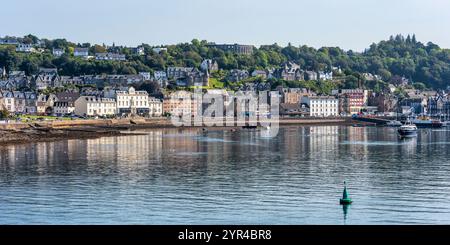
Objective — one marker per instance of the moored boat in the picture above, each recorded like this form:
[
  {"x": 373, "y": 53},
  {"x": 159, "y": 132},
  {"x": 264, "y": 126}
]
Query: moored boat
[
  {"x": 408, "y": 130},
  {"x": 427, "y": 123}
]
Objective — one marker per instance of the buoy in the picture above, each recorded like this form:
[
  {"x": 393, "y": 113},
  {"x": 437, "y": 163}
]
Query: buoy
[{"x": 345, "y": 200}]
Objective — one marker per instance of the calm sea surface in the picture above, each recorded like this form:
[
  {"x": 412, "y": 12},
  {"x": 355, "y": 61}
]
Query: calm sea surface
[{"x": 175, "y": 176}]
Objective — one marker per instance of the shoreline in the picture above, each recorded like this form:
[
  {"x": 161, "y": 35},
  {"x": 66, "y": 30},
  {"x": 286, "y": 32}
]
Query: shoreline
[{"x": 23, "y": 133}]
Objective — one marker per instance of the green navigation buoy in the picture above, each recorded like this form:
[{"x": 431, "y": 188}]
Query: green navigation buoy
[{"x": 345, "y": 200}]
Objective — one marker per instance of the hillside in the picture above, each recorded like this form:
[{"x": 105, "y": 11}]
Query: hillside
[{"x": 397, "y": 57}]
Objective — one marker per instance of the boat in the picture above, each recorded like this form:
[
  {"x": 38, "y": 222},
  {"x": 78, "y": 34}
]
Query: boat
[
  {"x": 249, "y": 127},
  {"x": 394, "y": 123},
  {"x": 446, "y": 124},
  {"x": 424, "y": 122},
  {"x": 408, "y": 130}
]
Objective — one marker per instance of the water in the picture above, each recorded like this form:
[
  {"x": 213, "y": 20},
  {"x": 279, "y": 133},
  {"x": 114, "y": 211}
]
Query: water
[{"x": 174, "y": 176}]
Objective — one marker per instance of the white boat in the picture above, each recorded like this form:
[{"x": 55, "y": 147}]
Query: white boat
[
  {"x": 394, "y": 123},
  {"x": 446, "y": 124},
  {"x": 408, "y": 130}
]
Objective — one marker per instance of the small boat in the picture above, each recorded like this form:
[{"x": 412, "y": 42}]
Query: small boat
[
  {"x": 446, "y": 124},
  {"x": 394, "y": 123},
  {"x": 249, "y": 127},
  {"x": 408, "y": 130}
]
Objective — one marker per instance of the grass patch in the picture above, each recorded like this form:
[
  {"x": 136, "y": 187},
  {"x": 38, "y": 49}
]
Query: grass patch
[{"x": 35, "y": 117}]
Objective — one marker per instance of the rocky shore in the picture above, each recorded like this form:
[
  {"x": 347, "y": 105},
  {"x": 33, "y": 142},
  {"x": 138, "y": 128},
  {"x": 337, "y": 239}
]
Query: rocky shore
[{"x": 19, "y": 133}]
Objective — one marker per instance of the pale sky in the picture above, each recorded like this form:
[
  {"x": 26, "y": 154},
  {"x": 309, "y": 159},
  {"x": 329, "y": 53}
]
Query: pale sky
[{"x": 349, "y": 24}]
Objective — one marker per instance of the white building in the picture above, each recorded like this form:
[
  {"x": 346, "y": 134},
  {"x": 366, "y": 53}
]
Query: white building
[
  {"x": 145, "y": 75},
  {"x": 110, "y": 56},
  {"x": 132, "y": 102},
  {"x": 156, "y": 108},
  {"x": 325, "y": 75},
  {"x": 322, "y": 106},
  {"x": 159, "y": 50},
  {"x": 95, "y": 106},
  {"x": 58, "y": 52},
  {"x": 61, "y": 108},
  {"x": 161, "y": 77},
  {"x": 26, "y": 48},
  {"x": 9, "y": 101}
]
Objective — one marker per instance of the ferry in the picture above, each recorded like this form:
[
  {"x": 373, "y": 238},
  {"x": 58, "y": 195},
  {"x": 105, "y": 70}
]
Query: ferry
[{"x": 408, "y": 130}]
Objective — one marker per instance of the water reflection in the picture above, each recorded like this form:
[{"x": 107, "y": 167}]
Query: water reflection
[{"x": 170, "y": 176}]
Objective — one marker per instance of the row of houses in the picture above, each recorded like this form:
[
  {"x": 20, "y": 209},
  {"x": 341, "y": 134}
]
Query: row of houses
[
  {"x": 180, "y": 76},
  {"x": 21, "y": 46},
  {"x": 291, "y": 71},
  {"x": 49, "y": 78},
  {"x": 116, "y": 102}
]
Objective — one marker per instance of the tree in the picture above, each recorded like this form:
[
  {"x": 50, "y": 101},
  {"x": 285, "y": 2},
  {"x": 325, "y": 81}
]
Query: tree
[
  {"x": 351, "y": 82},
  {"x": 419, "y": 86},
  {"x": 151, "y": 87},
  {"x": 4, "y": 114}
]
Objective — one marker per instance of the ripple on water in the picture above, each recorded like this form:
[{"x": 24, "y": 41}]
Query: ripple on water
[{"x": 185, "y": 176}]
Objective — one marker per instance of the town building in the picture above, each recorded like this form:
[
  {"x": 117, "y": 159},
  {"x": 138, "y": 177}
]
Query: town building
[
  {"x": 294, "y": 110},
  {"x": 161, "y": 78},
  {"x": 209, "y": 66},
  {"x": 57, "y": 52},
  {"x": 327, "y": 76},
  {"x": 237, "y": 75},
  {"x": 9, "y": 41},
  {"x": 439, "y": 106},
  {"x": 65, "y": 104},
  {"x": 139, "y": 50},
  {"x": 290, "y": 71},
  {"x": 178, "y": 72},
  {"x": 25, "y": 48},
  {"x": 132, "y": 102},
  {"x": 384, "y": 101},
  {"x": 110, "y": 56},
  {"x": 293, "y": 95},
  {"x": 311, "y": 76},
  {"x": 235, "y": 48},
  {"x": 180, "y": 103},
  {"x": 47, "y": 77},
  {"x": 260, "y": 73},
  {"x": 95, "y": 106},
  {"x": 155, "y": 107},
  {"x": 45, "y": 103},
  {"x": 158, "y": 50},
  {"x": 351, "y": 101},
  {"x": 188, "y": 76},
  {"x": 62, "y": 108},
  {"x": 146, "y": 76},
  {"x": 322, "y": 106}
]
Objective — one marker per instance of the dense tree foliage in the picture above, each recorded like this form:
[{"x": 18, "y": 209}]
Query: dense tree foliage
[{"x": 423, "y": 64}]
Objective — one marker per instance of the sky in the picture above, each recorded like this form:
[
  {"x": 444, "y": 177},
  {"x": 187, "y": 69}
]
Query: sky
[{"x": 349, "y": 24}]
